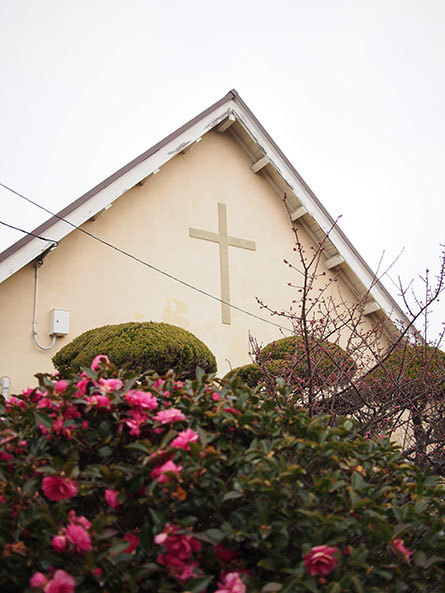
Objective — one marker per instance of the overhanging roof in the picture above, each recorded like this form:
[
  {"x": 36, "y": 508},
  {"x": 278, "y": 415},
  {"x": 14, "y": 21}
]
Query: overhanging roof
[{"x": 228, "y": 115}]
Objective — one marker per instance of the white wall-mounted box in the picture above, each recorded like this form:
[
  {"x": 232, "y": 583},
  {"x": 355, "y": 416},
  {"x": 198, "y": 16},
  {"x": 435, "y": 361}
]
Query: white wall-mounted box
[{"x": 59, "y": 322}]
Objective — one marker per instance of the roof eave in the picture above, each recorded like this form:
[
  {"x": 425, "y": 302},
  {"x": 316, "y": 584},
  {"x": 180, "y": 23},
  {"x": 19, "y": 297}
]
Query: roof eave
[{"x": 82, "y": 209}]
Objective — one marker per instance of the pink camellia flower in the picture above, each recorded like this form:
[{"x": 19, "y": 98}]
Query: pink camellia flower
[
  {"x": 179, "y": 548},
  {"x": 59, "y": 428},
  {"x": 82, "y": 386},
  {"x": 27, "y": 393},
  {"x": 215, "y": 396},
  {"x": 320, "y": 560},
  {"x": 158, "y": 383},
  {"x": 13, "y": 401},
  {"x": 45, "y": 402},
  {"x": 98, "y": 360},
  {"x": 4, "y": 456},
  {"x": 179, "y": 569},
  {"x": 78, "y": 520},
  {"x": 38, "y": 580},
  {"x": 99, "y": 401},
  {"x": 141, "y": 399},
  {"x": 161, "y": 471},
  {"x": 36, "y": 394},
  {"x": 97, "y": 572},
  {"x": 134, "y": 423},
  {"x": 184, "y": 438},
  {"x": 160, "y": 538},
  {"x": 133, "y": 541},
  {"x": 56, "y": 488},
  {"x": 170, "y": 415},
  {"x": 79, "y": 537},
  {"x": 108, "y": 385},
  {"x": 59, "y": 543},
  {"x": 71, "y": 412},
  {"x": 180, "y": 545},
  {"x": 61, "y": 386},
  {"x": 111, "y": 496},
  {"x": 62, "y": 582},
  {"x": 233, "y": 411},
  {"x": 231, "y": 583},
  {"x": 225, "y": 555},
  {"x": 397, "y": 545}
]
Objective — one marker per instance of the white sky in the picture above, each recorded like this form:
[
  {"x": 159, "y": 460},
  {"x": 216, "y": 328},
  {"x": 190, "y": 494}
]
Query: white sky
[{"x": 353, "y": 91}]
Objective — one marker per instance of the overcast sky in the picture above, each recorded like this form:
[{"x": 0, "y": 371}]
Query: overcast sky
[{"x": 353, "y": 91}]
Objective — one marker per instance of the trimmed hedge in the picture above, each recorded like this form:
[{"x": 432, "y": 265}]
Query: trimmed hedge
[
  {"x": 409, "y": 367},
  {"x": 141, "y": 346},
  {"x": 286, "y": 358},
  {"x": 250, "y": 374}
]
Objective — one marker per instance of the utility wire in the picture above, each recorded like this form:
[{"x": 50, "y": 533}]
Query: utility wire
[
  {"x": 28, "y": 233},
  {"x": 141, "y": 261}
]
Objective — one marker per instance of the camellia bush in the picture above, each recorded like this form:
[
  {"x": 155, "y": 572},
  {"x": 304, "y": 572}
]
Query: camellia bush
[{"x": 110, "y": 483}]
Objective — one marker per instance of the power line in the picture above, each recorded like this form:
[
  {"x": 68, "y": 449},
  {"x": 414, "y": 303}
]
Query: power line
[
  {"x": 141, "y": 261},
  {"x": 28, "y": 233}
]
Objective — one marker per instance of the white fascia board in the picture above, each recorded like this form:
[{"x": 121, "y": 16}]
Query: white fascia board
[
  {"x": 387, "y": 303},
  {"x": 106, "y": 196}
]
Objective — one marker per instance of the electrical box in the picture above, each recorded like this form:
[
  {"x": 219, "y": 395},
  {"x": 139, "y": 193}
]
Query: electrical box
[{"x": 59, "y": 322}]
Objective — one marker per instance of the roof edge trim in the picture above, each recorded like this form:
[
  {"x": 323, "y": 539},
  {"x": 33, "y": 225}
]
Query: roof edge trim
[{"x": 109, "y": 180}]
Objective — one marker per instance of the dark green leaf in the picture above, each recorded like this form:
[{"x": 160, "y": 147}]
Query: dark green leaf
[
  {"x": 158, "y": 520},
  {"x": 419, "y": 558},
  {"x": 105, "y": 451},
  {"x": 199, "y": 373},
  {"x": 357, "y": 481},
  {"x": 267, "y": 563},
  {"x": 202, "y": 436},
  {"x": 358, "y": 585},
  {"x": 144, "y": 446},
  {"x": 43, "y": 419},
  {"x": 197, "y": 585},
  {"x": 231, "y": 495},
  {"x": 211, "y": 536},
  {"x": 119, "y": 547},
  {"x": 271, "y": 588},
  {"x": 31, "y": 486}
]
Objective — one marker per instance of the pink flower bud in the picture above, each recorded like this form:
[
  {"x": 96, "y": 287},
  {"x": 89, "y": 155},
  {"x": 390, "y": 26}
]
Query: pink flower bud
[
  {"x": 38, "y": 580},
  {"x": 59, "y": 543},
  {"x": 320, "y": 560},
  {"x": 111, "y": 496},
  {"x": 61, "y": 386}
]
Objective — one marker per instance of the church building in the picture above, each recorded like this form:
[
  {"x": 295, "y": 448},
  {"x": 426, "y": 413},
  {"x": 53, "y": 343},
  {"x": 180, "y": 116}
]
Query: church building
[{"x": 192, "y": 232}]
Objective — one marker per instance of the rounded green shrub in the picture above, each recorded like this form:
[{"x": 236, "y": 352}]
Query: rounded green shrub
[
  {"x": 286, "y": 358},
  {"x": 326, "y": 357},
  {"x": 410, "y": 368},
  {"x": 141, "y": 346},
  {"x": 109, "y": 483},
  {"x": 250, "y": 374},
  {"x": 411, "y": 378},
  {"x": 404, "y": 395}
]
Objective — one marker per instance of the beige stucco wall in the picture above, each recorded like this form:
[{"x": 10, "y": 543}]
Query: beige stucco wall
[{"x": 100, "y": 286}]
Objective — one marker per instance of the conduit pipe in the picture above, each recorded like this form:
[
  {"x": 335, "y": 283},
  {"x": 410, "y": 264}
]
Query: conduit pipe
[
  {"x": 4, "y": 384},
  {"x": 39, "y": 263}
]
